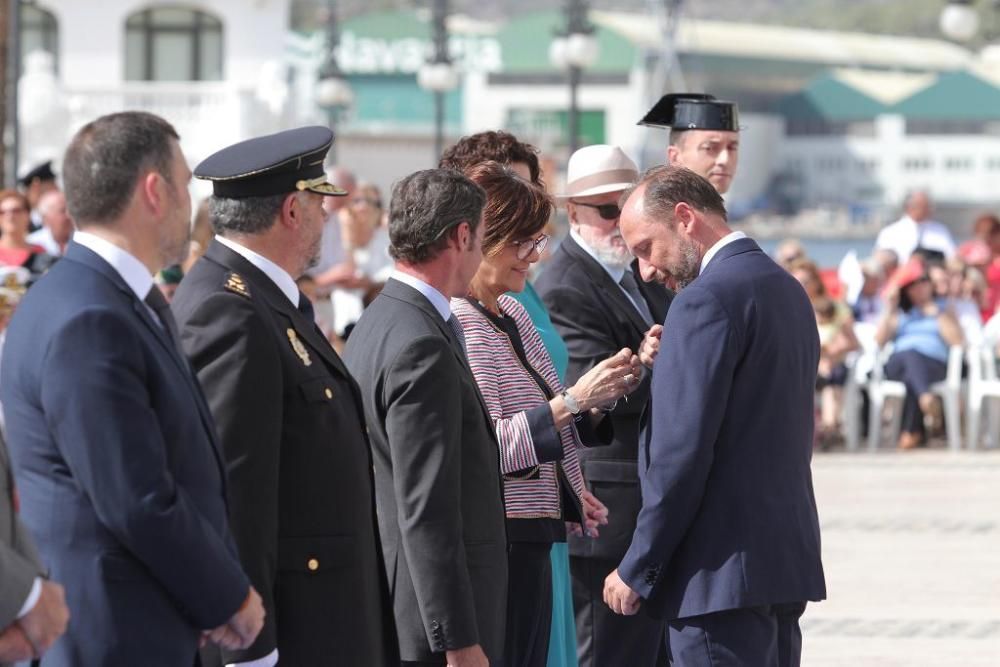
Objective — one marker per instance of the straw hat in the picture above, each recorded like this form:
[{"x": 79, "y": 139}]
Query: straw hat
[{"x": 599, "y": 169}]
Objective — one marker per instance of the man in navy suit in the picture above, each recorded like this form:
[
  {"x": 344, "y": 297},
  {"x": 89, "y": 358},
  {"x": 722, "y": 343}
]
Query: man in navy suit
[
  {"x": 727, "y": 544},
  {"x": 114, "y": 450}
]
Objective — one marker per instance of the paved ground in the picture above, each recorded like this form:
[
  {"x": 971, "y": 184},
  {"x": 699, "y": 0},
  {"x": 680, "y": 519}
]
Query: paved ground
[{"x": 911, "y": 546}]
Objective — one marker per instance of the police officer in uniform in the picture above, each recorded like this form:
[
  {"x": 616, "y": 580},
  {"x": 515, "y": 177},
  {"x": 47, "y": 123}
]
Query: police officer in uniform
[{"x": 289, "y": 414}]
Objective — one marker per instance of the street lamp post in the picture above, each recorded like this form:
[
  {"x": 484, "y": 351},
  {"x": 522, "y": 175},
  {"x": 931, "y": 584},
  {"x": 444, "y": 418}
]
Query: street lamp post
[
  {"x": 438, "y": 75},
  {"x": 332, "y": 90},
  {"x": 573, "y": 50},
  {"x": 959, "y": 20}
]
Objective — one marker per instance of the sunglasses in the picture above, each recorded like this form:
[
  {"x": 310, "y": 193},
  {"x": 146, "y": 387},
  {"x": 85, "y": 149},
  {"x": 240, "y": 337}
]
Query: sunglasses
[
  {"x": 606, "y": 211},
  {"x": 528, "y": 246}
]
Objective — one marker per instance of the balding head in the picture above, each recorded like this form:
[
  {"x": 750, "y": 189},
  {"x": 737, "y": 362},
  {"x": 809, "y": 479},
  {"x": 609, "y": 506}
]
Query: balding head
[
  {"x": 918, "y": 205},
  {"x": 52, "y": 208},
  {"x": 669, "y": 220}
]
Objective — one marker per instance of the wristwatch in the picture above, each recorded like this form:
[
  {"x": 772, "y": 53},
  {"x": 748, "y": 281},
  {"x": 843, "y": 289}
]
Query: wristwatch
[{"x": 571, "y": 403}]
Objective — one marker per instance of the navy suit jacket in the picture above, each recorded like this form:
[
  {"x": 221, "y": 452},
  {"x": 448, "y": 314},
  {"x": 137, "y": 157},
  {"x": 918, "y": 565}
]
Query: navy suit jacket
[
  {"x": 120, "y": 477},
  {"x": 729, "y": 517}
]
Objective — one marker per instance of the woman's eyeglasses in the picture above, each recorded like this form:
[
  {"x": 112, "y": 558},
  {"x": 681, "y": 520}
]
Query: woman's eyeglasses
[
  {"x": 606, "y": 211},
  {"x": 528, "y": 246},
  {"x": 371, "y": 201}
]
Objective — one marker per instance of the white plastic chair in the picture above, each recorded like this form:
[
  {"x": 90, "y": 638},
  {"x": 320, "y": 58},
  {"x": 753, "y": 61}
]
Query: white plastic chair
[
  {"x": 880, "y": 389},
  {"x": 859, "y": 365},
  {"x": 983, "y": 385},
  {"x": 950, "y": 391}
]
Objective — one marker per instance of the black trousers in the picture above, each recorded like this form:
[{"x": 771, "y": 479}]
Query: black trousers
[
  {"x": 766, "y": 636},
  {"x": 918, "y": 372},
  {"x": 603, "y": 638},
  {"x": 529, "y": 604}
]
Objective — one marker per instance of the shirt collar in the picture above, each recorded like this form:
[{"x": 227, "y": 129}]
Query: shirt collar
[
  {"x": 133, "y": 272},
  {"x": 437, "y": 299},
  {"x": 719, "y": 245},
  {"x": 616, "y": 272},
  {"x": 278, "y": 275}
]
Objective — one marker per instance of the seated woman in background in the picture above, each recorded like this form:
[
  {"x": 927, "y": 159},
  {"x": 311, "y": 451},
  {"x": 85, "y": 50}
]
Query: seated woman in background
[
  {"x": 15, "y": 223},
  {"x": 539, "y": 424},
  {"x": 835, "y": 324},
  {"x": 366, "y": 243},
  {"x": 921, "y": 329}
]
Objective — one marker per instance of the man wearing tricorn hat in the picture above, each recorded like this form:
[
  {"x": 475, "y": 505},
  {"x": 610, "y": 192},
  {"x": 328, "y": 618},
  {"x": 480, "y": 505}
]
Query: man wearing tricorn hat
[
  {"x": 288, "y": 412},
  {"x": 704, "y": 135}
]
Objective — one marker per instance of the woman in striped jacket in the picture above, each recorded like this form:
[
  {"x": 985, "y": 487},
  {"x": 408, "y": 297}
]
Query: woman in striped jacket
[{"x": 539, "y": 423}]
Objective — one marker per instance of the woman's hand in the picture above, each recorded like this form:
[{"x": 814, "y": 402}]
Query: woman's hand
[
  {"x": 595, "y": 514},
  {"x": 608, "y": 381}
]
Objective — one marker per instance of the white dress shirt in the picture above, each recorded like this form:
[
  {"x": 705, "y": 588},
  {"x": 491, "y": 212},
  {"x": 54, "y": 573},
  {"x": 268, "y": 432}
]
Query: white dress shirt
[
  {"x": 616, "y": 272},
  {"x": 719, "y": 245},
  {"x": 438, "y": 300},
  {"x": 905, "y": 235},
  {"x": 133, "y": 272},
  {"x": 278, "y": 275}
]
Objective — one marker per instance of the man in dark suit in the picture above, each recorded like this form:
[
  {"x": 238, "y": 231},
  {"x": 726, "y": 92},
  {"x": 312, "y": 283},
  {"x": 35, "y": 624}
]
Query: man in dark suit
[
  {"x": 599, "y": 307},
  {"x": 114, "y": 449},
  {"x": 33, "y": 611},
  {"x": 437, "y": 467},
  {"x": 727, "y": 544},
  {"x": 290, "y": 418}
]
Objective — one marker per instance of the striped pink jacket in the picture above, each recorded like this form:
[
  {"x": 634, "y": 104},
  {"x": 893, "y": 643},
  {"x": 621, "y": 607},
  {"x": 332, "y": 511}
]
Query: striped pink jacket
[{"x": 509, "y": 391}]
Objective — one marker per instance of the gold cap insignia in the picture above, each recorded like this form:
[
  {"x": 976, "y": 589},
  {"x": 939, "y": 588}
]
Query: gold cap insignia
[
  {"x": 298, "y": 347},
  {"x": 236, "y": 284}
]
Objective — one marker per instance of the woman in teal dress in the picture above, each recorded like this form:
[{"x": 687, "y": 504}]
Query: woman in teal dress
[{"x": 562, "y": 641}]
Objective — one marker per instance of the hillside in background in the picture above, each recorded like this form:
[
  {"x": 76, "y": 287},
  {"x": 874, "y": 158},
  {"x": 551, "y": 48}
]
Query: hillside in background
[{"x": 898, "y": 17}]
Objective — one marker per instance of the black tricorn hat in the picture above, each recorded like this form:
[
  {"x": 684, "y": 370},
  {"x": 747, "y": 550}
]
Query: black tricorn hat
[
  {"x": 274, "y": 164},
  {"x": 693, "y": 111},
  {"x": 42, "y": 172}
]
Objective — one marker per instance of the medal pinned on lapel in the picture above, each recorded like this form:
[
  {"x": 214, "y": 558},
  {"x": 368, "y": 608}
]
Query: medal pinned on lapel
[{"x": 298, "y": 347}]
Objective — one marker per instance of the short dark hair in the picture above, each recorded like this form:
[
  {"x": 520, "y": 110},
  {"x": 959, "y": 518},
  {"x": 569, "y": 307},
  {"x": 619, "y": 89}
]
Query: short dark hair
[
  {"x": 426, "y": 206},
  {"x": 245, "y": 215},
  {"x": 500, "y": 146},
  {"x": 107, "y": 156},
  {"x": 667, "y": 185},
  {"x": 677, "y": 136},
  {"x": 515, "y": 209}
]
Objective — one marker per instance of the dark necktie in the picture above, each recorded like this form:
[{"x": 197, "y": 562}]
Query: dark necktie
[
  {"x": 306, "y": 307},
  {"x": 456, "y": 329},
  {"x": 631, "y": 287},
  {"x": 155, "y": 300}
]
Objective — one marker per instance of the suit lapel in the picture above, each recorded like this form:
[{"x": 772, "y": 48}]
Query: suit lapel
[
  {"x": 737, "y": 247},
  {"x": 92, "y": 260},
  {"x": 405, "y": 293},
  {"x": 620, "y": 303},
  {"x": 262, "y": 285}
]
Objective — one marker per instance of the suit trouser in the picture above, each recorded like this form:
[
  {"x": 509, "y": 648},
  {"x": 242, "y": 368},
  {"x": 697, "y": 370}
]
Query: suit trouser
[
  {"x": 767, "y": 636},
  {"x": 605, "y": 639}
]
